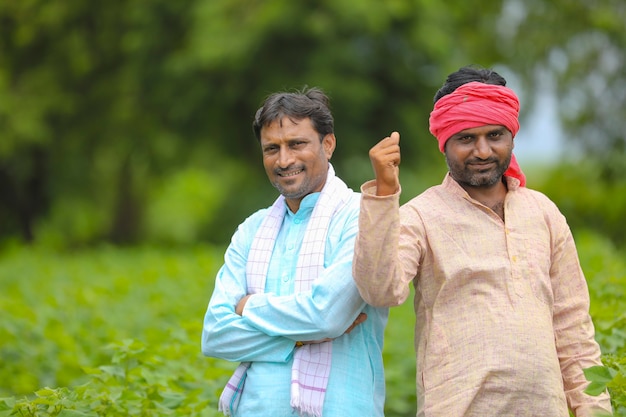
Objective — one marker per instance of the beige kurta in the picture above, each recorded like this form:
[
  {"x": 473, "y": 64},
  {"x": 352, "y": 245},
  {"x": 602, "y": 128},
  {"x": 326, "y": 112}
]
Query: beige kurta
[{"x": 502, "y": 323}]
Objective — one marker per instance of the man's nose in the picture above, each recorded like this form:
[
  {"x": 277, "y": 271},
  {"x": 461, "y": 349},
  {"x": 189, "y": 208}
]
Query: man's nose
[
  {"x": 285, "y": 157},
  {"x": 482, "y": 149}
]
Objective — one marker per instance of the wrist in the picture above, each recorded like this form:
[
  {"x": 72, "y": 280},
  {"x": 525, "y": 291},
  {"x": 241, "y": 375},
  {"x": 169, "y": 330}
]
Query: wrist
[
  {"x": 385, "y": 189},
  {"x": 241, "y": 304}
]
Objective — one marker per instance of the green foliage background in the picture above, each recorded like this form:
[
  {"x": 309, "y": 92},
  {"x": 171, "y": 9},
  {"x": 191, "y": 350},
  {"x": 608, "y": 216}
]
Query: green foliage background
[
  {"x": 106, "y": 108},
  {"x": 112, "y": 331}
]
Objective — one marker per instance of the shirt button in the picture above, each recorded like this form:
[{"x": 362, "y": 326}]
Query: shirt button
[
  {"x": 297, "y": 221},
  {"x": 285, "y": 278}
]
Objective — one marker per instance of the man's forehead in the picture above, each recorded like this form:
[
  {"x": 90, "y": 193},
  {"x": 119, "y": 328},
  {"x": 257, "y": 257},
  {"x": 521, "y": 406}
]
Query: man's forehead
[{"x": 287, "y": 127}]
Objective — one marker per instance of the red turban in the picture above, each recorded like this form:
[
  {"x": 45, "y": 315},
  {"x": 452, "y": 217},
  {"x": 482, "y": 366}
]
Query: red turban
[{"x": 473, "y": 105}]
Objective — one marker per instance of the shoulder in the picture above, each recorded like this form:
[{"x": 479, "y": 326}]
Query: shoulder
[
  {"x": 256, "y": 217},
  {"x": 425, "y": 200},
  {"x": 424, "y": 208},
  {"x": 536, "y": 198},
  {"x": 251, "y": 224},
  {"x": 354, "y": 201},
  {"x": 535, "y": 203},
  {"x": 349, "y": 211}
]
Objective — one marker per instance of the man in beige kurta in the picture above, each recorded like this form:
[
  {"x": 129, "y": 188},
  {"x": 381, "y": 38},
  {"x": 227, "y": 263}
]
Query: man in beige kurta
[{"x": 501, "y": 303}]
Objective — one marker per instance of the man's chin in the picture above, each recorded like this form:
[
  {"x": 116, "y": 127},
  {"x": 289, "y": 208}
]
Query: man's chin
[
  {"x": 286, "y": 187},
  {"x": 484, "y": 182},
  {"x": 479, "y": 180},
  {"x": 290, "y": 192}
]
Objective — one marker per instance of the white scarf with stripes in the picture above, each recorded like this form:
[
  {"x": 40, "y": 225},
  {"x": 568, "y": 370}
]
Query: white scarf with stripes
[{"x": 311, "y": 363}]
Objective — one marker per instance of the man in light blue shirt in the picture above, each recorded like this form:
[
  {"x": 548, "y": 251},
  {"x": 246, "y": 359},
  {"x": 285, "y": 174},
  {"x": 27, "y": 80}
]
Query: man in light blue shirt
[{"x": 284, "y": 303}]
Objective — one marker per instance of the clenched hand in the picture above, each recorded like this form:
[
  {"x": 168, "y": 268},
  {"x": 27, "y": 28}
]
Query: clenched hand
[{"x": 385, "y": 158}]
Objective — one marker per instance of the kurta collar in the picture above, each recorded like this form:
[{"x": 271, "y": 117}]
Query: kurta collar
[{"x": 306, "y": 206}]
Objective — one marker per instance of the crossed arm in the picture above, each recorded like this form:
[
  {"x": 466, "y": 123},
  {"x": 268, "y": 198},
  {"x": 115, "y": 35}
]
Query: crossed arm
[
  {"x": 265, "y": 327},
  {"x": 359, "y": 319}
]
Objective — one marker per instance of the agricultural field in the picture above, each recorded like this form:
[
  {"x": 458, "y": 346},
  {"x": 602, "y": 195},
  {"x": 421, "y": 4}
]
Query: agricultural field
[{"x": 116, "y": 331}]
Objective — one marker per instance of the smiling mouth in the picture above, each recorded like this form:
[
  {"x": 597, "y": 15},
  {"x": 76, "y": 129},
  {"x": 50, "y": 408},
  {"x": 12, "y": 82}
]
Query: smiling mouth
[
  {"x": 482, "y": 165},
  {"x": 289, "y": 173}
]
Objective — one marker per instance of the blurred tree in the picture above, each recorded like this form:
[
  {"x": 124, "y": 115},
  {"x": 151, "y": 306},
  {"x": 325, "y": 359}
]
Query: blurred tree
[
  {"x": 576, "y": 49},
  {"x": 85, "y": 106},
  {"x": 101, "y": 102}
]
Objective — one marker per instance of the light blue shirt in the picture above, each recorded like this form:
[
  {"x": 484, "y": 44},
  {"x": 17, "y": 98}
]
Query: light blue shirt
[{"x": 273, "y": 321}]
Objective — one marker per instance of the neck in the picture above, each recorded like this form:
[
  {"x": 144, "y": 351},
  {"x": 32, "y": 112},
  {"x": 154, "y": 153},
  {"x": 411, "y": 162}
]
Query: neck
[
  {"x": 293, "y": 204},
  {"x": 492, "y": 196}
]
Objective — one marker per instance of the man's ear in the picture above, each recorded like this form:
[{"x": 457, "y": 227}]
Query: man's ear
[{"x": 329, "y": 143}]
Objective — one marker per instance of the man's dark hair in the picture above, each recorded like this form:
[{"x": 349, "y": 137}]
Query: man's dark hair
[
  {"x": 468, "y": 74},
  {"x": 308, "y": 102}
]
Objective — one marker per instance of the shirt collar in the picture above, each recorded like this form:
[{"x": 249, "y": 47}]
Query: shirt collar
[{"x": 306, "y": 206}]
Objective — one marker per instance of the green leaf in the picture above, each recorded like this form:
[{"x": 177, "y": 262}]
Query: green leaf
[
  {"x": 113, "y": 370},
  {"x": 599, "y": 376},
  {"x": 602, "y": 374},
  {"x": 45, "y": 392},
  {"x": 7, "y": 404},
  {"x": 172, "y": 399},
  {"x": 595, "y": 388}
]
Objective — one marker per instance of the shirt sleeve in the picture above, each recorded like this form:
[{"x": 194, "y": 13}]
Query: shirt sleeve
[
  {"x": 381, "y": 278},
  {"x": 325, "y": 311},
  {"x": 574, "y": 330},
  {"x": 225, "y": 334}
]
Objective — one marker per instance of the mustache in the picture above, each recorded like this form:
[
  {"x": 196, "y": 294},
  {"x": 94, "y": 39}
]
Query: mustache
[
  {"x": 288, "y": 169},
  {"x": 481, "y": 161}
]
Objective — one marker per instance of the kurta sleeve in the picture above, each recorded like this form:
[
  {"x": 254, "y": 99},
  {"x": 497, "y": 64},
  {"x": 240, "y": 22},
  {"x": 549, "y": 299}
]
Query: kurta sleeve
[
  {"x": 324, "y": 312},
  {"x": 574, "y": 330},
  {"x": 227, "y": 335},
  {"x": 382, "y": 279}
]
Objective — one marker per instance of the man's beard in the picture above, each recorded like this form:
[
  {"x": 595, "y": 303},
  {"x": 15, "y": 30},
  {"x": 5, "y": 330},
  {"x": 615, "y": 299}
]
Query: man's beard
[{"x": 463, "y": 175}]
